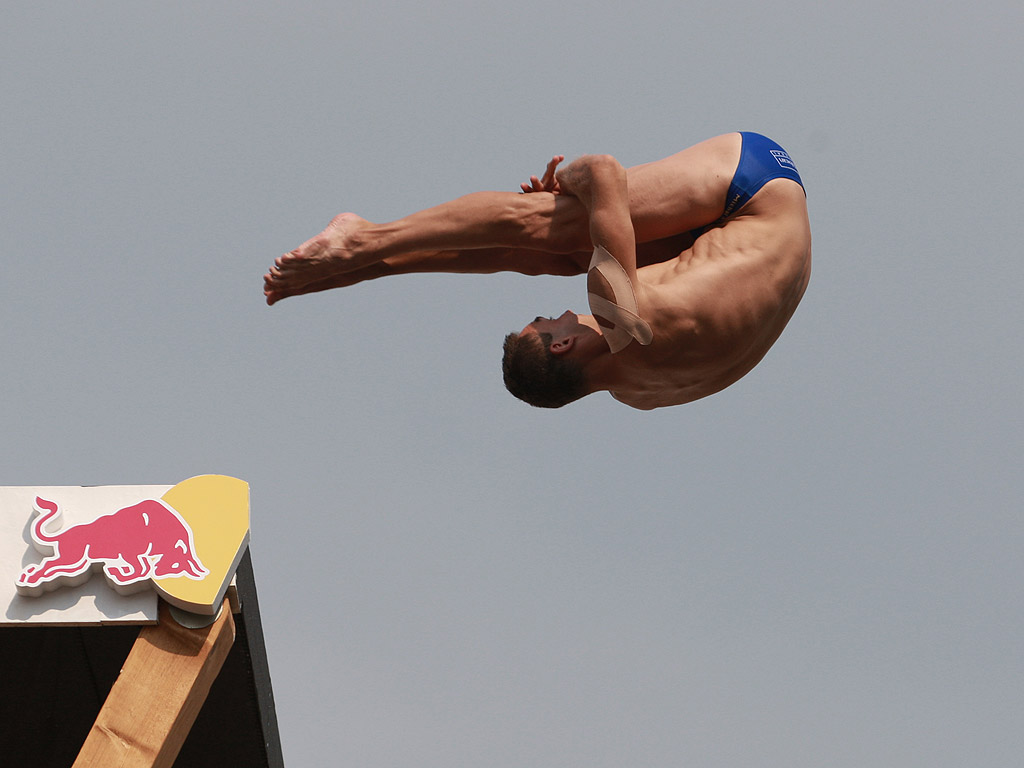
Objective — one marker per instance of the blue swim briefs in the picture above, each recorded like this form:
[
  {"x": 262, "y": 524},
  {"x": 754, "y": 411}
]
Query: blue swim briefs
[{"x": 761, "y": 160}]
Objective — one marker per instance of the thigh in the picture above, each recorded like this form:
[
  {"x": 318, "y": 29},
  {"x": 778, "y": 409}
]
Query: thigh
[
  {"x": 685, "y": 191},
  {"x": 668, "y": 199}
]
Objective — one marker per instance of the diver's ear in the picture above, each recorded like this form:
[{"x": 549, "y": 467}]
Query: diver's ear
[{"x": 563, "y": 345}]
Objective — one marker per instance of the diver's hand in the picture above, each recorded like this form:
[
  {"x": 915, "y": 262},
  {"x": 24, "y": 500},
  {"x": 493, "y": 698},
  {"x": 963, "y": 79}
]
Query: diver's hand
[{"x": 547, "y": 182}]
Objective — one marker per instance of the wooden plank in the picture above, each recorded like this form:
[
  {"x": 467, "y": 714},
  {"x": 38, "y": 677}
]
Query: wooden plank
[{"x": 156, "y": 698}]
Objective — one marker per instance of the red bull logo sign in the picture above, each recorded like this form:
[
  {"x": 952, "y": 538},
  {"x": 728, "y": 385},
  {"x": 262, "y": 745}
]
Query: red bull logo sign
[
  {"x": 185, "y": 544},
  {"x": 145, "y": 540}
]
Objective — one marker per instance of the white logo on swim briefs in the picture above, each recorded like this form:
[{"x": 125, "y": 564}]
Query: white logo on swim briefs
[{"x": 783, "y": 159}]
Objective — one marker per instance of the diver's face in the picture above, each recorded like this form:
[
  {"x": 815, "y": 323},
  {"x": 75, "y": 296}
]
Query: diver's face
[{"x": 565, "y": 324}]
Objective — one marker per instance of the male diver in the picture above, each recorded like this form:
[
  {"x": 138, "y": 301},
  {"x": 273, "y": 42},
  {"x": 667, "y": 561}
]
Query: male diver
[{"x": 695, "y": 263}]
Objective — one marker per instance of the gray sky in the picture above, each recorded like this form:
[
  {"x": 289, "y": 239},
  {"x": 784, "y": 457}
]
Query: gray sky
[{"x": 820, "y": 566}]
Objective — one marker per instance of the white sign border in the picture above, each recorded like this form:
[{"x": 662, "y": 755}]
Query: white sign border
[{"x": 93, "y": 602}]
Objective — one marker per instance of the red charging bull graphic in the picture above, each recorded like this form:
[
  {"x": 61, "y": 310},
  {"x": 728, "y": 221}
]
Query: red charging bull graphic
[{"x": 132, "y": 545}]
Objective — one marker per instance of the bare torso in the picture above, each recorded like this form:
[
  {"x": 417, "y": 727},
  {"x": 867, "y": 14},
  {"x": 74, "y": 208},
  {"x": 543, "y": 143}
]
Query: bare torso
[{"x": 719, "y": 306}]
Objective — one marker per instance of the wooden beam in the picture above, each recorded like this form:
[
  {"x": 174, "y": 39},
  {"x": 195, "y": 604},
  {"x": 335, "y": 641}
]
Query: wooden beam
[{"x": 161, "y": 688}]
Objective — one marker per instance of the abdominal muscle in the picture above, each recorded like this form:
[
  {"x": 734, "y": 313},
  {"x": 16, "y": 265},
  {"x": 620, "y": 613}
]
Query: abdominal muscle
[{"x": 717, "y": 309}]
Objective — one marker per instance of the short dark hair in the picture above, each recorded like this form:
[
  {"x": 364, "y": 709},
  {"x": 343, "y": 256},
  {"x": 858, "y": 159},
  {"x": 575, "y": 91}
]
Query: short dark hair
[{"x": 538, "y": 377}]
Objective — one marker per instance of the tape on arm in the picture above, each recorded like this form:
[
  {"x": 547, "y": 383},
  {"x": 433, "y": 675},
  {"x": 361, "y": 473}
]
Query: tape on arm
[{"x": 619, "y": 319}]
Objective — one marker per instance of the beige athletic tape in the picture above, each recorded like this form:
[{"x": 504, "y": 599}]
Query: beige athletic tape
[{"x": 623, "y": 312}]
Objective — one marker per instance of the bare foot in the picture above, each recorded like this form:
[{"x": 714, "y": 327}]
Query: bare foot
[
  {"x": 319, "y": 263},
  {"x": 344, "y": 280}
]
